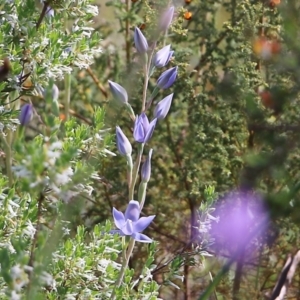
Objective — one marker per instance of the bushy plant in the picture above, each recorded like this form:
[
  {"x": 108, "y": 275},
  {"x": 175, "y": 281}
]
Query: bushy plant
[{"x": 149, "y": 150}]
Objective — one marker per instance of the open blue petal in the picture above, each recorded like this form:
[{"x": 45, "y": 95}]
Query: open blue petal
[
  {"x": 139, "y": 237},
  {"x": 144, "y": 121},
  {"x": 119, "y": 218},
  {"x": 132, "y": 211},
  {"x": 142, "y": 223},
  {"x": 150, "y": 130}
]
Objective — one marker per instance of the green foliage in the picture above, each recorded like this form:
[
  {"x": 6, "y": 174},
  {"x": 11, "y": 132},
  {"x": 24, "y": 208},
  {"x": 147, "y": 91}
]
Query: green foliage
[{"x": 233, "y": 124}]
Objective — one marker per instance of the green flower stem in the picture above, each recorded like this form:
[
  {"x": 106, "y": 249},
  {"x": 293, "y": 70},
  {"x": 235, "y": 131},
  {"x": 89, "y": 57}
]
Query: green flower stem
[
  {"x": 210, "y": 289},
  {"x": 136, "y": 170},
  {"x": 147, "y": 70},
  {"x": 129, "y": 170},
  {"x": 67, "y": 95},
  {"x": 8, "y": 156},
  {"x": 146, "y": 80},
  {"x": 126, "y": 257},
  {"x": 142, "y": 194}
]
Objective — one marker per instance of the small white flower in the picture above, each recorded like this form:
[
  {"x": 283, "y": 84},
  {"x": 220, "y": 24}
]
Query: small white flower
[
  {"x": 91, "y": 9},
  {"x": 29, "y": 230},
  {"x": 64, "y": 177}
]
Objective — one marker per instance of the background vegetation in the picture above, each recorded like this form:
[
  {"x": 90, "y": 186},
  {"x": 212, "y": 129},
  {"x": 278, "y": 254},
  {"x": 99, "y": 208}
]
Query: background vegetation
[{"x": 233, "y": 125}]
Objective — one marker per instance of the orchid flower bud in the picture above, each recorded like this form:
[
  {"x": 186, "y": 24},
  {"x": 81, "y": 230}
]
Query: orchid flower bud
[
  {"x": 167, "y": 78},
  {"x": 119, "y": 93},
  {"x": 163, "y": 107},
  {"x": 146, "y": 168},
  {"x": 123, "y": 143},
  {"x": 140, "y": 41},
  {"x": 166, "y": 19},
  {"x": 162, "y": 57},
  {"x": 26, "y": 114}
]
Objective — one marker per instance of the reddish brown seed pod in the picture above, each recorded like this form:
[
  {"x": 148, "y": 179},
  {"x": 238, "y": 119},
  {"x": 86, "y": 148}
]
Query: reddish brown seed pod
[{"x": 187, "y": 15}]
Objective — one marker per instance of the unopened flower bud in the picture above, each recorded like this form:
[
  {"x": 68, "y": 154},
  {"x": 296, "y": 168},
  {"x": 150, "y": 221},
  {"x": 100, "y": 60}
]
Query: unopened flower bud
[
  {"x": 162, "y": 57},
  {"x": 140, "y": 41},
  {"x": 166, "y": 19},
  {"x": 163, "y": 107},
  {"x": 119, "y": 93},
  {"x": 123, "y": 143},
  {"x": 146, "y": 168},
  {"x": 26, "y": 114},
  {"x": 167, "y": 78}
]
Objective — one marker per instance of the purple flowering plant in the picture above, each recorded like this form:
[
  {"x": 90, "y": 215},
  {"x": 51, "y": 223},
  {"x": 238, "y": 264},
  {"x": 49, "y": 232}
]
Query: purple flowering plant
[{"x": 130, "y": 225}]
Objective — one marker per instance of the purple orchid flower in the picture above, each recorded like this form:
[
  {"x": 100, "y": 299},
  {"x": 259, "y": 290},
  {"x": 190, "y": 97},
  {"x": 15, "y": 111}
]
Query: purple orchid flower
[
  {"x": 131, "y": 224},
  {"x": 143, "y": 130},
  {"x": 240, "y": 216}
]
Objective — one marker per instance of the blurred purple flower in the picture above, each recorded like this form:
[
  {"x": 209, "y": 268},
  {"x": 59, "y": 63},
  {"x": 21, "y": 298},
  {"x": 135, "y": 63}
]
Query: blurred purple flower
[
  {"x": 131, "y": 224},
  {"x": 119, "y": 93},
  {"x": 50, "y": 12},
  {"x": 26, "y": 114},
  {"x": 123, "y": 143},
  {"x": 242, "y": 219},
  {"x": 146, "y": 168},
  {"x": 162, "y": 57},
  {"x": 167, "y": 78},
  {"x": 163, "y": 107},
  {"x": 140, "y": 41},
  {"x": 143, "y": 130},
  {"x": 166, "y": 18}
]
